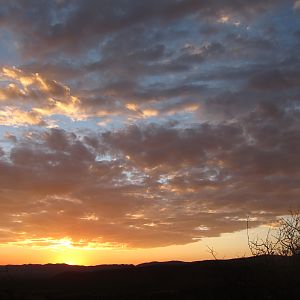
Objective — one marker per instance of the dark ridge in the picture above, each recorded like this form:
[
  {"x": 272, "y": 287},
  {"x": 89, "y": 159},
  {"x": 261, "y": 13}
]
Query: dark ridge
[
  {"x": 158, "y": 263},
  {"x": 265, "y": 277},
  {"x": 50, "y": 270}
]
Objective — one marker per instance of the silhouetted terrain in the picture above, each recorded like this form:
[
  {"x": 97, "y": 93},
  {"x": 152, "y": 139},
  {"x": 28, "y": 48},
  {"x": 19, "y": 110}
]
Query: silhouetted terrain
[{"x": 246, "y": 278}]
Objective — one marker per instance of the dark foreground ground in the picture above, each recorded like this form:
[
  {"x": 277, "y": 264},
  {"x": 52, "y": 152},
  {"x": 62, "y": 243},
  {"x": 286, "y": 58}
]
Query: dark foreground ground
[{"x": 245, "y": 278}]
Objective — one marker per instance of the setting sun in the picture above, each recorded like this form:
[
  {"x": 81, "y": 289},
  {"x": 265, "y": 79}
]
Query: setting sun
[
  {"x": 70, "y": 257},
  {"x": 139, "y": 138},
  {"x": 135, "y": 131}
]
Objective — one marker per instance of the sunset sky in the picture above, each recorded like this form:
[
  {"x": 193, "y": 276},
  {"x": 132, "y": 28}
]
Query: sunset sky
[{"x": 135, "y": 130}]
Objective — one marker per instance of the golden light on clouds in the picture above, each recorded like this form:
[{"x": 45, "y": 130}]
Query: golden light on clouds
[
  {"x": 125, "y": 139},
  {"x": 12, "y": 116},
  {"x": 36, "y": 98},
  {"x": 224, "y": 19},
  {"x": 132, "y": 106},
  {"x": 149, "y": 113}
]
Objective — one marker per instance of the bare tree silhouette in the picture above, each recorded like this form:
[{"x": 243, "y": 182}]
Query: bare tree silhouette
[{"x": 284, "y": 240}]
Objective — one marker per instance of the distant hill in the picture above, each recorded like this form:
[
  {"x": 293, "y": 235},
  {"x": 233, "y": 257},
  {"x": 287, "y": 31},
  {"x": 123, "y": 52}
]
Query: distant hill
[
  {"x": 246, "y": 278},
  {"x": 158, "y": 263},
  {"x": 49, "y": 270}
]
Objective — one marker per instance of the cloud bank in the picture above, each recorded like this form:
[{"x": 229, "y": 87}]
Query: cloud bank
[{"x": 144, "y": 124}]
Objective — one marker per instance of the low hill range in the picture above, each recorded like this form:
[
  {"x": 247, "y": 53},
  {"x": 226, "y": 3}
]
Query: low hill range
[
  {"x": 263, "y": 277},
  {"x": 50, "y": 270}
]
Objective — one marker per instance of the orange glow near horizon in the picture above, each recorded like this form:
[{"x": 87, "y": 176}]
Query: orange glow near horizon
[
  {"x": 132, "y": 133},
  {"x": 227, "y": 246}
]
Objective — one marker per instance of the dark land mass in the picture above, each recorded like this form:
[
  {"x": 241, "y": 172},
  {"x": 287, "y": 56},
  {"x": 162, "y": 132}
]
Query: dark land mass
[{"x": 265, "y": 277}]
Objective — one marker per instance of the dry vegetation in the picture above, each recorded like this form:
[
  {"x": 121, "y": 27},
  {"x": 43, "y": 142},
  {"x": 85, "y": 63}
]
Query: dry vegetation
[{"x": 283, "y": 241}]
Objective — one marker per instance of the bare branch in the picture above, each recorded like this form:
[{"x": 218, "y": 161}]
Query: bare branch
[
  {"x": 285, "y": 241},
  {"x": 212, "y": 252}
]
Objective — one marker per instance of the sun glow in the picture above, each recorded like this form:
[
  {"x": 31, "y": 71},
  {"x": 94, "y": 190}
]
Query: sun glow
[
  {"x": 71, "y": 257},
  {"x": 65, "y": 252}
]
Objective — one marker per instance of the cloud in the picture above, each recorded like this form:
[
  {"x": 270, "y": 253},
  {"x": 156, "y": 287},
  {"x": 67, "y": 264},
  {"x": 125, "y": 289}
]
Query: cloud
[
  {"x": 133, "y": 53},
  {"x": 275, "y": 80},
  {"x": 174, "y": 120},
  {"x": 77, "y": 25},
  {"x": 12, "y": 116},
  {"x": 34, "y": 98},
  {"x": 151, "y": 185},
  {"x": 297, "y": 4}
]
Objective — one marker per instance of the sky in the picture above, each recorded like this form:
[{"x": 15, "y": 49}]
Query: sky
[{"x": 133, "y": 130}]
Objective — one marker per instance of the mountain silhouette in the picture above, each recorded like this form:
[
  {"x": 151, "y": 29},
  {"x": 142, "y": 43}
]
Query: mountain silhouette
[{"x": 265, "y": 277}]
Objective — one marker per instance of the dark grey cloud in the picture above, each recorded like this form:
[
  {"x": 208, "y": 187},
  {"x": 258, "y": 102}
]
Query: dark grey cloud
[
  {"x": 71, "y": 25},
  {"x": 174, "y": 120},
  {"x": 275, "y": 80},
  {"x": 154, "y": 185}
]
